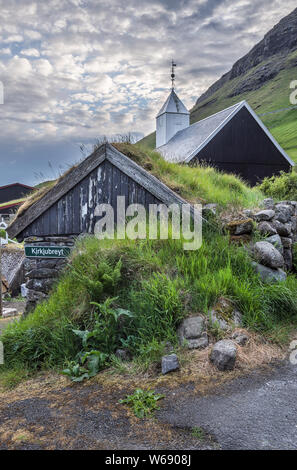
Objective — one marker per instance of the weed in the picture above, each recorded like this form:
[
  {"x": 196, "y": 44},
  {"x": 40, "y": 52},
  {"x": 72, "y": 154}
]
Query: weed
[
  {"x": 198, "y": 433},
  {"x": 143, "y": 402}
]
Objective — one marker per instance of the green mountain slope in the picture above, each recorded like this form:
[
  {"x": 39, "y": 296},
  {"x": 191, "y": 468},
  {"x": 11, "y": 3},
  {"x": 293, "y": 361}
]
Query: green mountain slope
[{"x": 262, "y": 78}]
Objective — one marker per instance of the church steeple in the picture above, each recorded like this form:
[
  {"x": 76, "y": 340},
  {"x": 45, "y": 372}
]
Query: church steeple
[{"x": 172, "y": 117}]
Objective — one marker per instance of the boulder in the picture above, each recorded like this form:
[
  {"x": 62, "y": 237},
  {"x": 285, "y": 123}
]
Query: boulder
[
  {"x": 240, "y": 227},
  {"x": 265, "y": 215},
  {"x": 268, "y": 255},
  {"x": 265, "y": 228},
  {"x": 192, "y": 332},
  {"x": 169, "y": 363},
  {"x": 275, "y": 240},
  {"x": 223, "y": 355},
  {"x": 268, "y": 275},
  {"x": 284, "y": 230},
  {"x": 283, "y": 212}
]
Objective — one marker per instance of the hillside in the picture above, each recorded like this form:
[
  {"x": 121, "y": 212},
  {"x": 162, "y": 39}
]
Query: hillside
[{"x": 262, "y": 77}]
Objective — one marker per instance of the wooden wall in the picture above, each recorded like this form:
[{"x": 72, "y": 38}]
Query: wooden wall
[
  {"x": 74, "y": 213},
  {"x": 243, "y": 148}
]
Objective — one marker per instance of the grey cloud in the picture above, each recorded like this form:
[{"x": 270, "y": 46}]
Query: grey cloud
[{"x": 115, "y": 56}]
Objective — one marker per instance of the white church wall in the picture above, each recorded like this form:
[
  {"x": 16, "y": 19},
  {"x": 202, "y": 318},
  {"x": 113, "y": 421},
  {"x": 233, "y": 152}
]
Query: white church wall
[{"x": 168, "y": 124}]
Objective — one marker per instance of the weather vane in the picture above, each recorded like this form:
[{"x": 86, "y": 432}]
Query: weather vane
[{"x": 173, "y": 64}]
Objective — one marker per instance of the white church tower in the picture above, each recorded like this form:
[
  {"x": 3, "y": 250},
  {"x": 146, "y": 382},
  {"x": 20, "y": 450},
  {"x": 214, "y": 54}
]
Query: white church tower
[{"x": 172, "y": 117}]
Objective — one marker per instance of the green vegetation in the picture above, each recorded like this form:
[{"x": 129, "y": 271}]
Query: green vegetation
[
  {"x": 132, "y": 295},
  {"x": 199, "y": 184},
  {"x": 143, "y": 402},
  {"x": 283, "y": 187},
  {"x": 198, "y": 433},
  {"x": 15, "y": 201},
  {"x": 273, "y": 95}
]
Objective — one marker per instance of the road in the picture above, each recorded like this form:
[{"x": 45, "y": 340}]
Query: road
[{"x": 255, "y": 412}]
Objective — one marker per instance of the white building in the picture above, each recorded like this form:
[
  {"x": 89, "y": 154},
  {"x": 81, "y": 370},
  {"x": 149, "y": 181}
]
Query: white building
[{"x": 172, "y": 117}]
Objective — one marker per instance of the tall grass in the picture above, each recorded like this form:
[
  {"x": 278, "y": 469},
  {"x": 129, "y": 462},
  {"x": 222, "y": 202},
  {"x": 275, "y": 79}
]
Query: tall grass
[{"x": 196, "y": 184}]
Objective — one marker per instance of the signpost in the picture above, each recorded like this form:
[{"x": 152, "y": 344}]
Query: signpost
[{"x": 47, "y": 251}]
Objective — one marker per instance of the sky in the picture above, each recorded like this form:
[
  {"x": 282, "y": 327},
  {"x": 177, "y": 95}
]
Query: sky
[{"x": 76, "y": 70}]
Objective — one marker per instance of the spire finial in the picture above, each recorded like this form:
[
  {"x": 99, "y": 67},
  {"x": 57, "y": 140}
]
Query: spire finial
[{"x": 173, "y": 64}]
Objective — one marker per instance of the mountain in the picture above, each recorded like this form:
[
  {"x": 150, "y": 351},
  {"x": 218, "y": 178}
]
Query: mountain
[{"x": 262, "y": 77}]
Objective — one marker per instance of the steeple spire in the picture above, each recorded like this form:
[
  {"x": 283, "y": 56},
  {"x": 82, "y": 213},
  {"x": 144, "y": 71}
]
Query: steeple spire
[{"x": 173, "y": 64}]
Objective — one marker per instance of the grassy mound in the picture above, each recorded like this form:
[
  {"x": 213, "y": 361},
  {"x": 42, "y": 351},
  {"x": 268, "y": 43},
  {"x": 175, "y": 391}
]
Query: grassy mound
[
  {"x": 199, "y": 184},
  {"x": 133, "y": 294}
]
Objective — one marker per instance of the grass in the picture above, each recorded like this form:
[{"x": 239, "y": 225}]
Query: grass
[
  {"x": 199, "y": 184},
  {"x": 273, "y": 95},
  {"x": 15, "y": 201},
  {"x": 158, "y": 284}
]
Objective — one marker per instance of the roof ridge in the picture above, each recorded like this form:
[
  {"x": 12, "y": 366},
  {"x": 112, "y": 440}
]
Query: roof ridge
[{"x": 218, "y": 112}]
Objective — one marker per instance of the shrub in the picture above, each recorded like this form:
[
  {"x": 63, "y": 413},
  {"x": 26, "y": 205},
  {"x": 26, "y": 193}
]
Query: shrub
[{"x": 281, "y": 187}]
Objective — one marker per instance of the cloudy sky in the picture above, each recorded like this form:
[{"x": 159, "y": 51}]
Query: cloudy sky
[{"x": 74, "y": 70}]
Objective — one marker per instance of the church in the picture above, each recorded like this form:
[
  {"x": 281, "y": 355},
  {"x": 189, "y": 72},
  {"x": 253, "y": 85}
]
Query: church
[{"x": 234, "y": 140}]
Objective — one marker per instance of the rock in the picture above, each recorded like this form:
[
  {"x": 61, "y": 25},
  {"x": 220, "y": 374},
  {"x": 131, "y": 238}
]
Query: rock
[
  {"x": 286, "y": 242},
  {"x": 123, "y": 354},
  {"x": 288, "y": 258},
  {"x": 269, "y": 275},
  {"x": 294, "y": 223},
  {"x": 248, "y": 213},
  {"x": 266, "y": 228},
  {"x": 240, "y": 227},
  {"x": 209, "y": 210},
  {"x": 199, "y": 343},
  {"x": 34, "y": 296},
  {"x": 284, "y": 230},
  {"x": 268, "y": 255},
  {"x": 169, "y": 363},
  {"x": 42, "y": 273},
  {"x": 223, "y": 355},
  {"x": 24, "y": 290},
  {"x": 240, "y": 338},
  {"x": 283, "y": 212},
  {"x": 9, "y": 312},
  {"x": 275, "y": 240},
  {"x": 265, "y": 215},
  {"x": 224, "y": 315},
  {"x": 192, "y": 332},
  {"x": 268, "y": 203}
]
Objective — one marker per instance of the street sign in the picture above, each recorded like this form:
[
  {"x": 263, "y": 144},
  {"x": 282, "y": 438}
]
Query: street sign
[{"x": 47, "y": 251}]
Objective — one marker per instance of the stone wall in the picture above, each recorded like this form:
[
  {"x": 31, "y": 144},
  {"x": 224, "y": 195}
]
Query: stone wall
[
  {"x": 41, "y": 273},
  {"x": 276, "y": 223}
]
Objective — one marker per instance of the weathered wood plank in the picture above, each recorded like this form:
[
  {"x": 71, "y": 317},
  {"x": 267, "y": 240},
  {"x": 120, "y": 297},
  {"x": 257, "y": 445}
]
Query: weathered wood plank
[{"x": 58, "y": 191}]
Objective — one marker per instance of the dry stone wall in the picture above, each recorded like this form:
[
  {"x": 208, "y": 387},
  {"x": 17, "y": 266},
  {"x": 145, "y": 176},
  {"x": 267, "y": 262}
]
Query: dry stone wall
[{"x": 41, "y": 273}]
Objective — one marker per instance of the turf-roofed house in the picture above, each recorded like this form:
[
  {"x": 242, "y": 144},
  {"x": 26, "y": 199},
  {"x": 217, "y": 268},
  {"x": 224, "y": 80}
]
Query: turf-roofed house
[
  {"x": 12, "y": 196},
  {"x": 51, "y": 224},
  {"x": 234, "y": 140}
]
